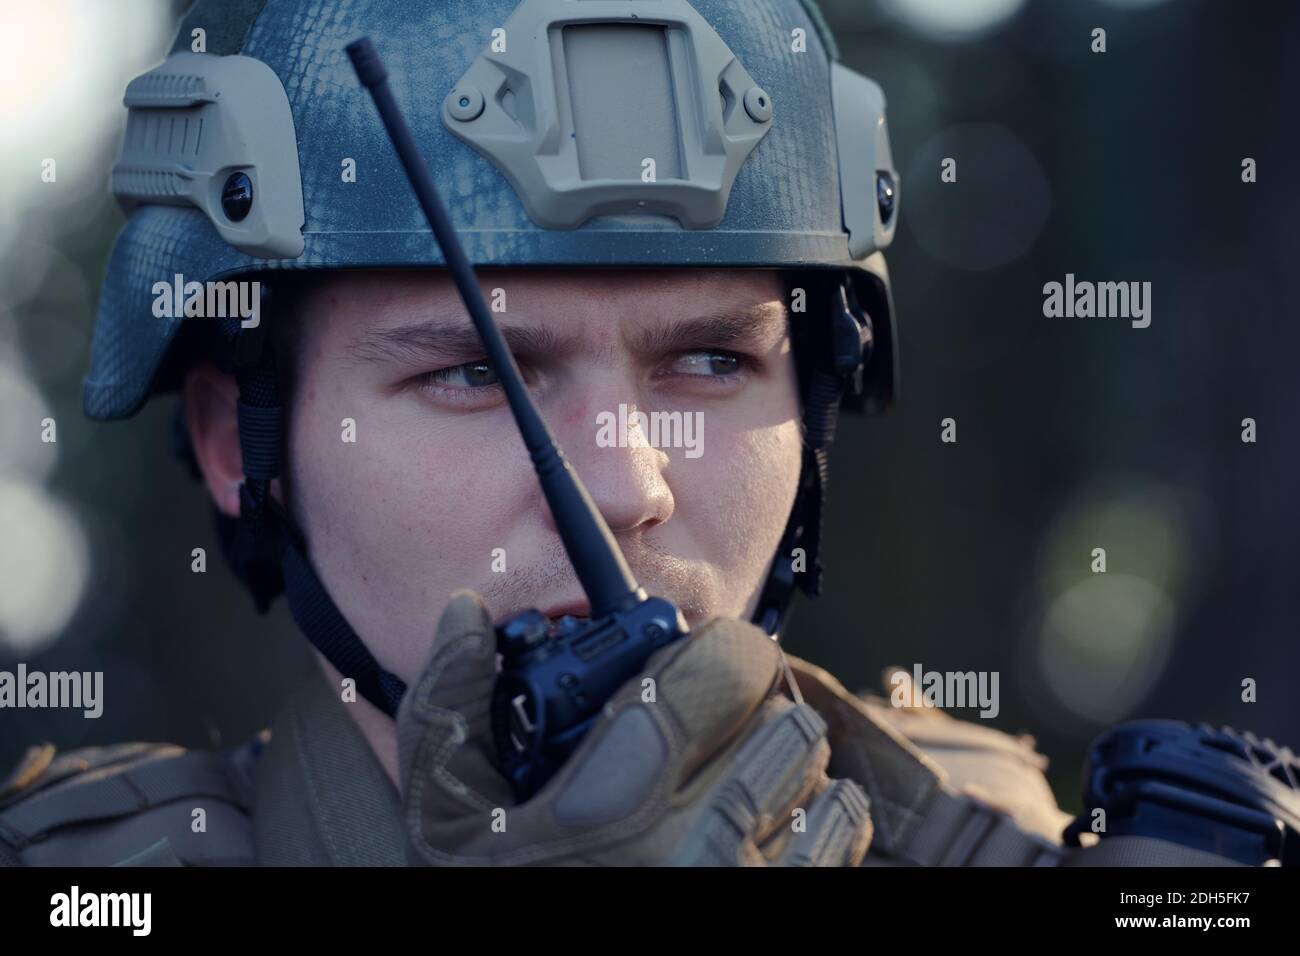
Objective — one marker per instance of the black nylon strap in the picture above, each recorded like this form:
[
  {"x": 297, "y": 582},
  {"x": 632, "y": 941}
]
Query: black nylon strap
[
  {"x": 269, "y": 550},
  {"x": 259, "y": 439},
  {"x": 320, "y": 619},
  {"x": 821, "y": 409},
  {"x": 804, "y": 527},
  {"x": 256, "y": 549}
]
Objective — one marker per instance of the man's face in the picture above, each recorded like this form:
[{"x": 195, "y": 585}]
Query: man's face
[{"x": 437, "y": 491}]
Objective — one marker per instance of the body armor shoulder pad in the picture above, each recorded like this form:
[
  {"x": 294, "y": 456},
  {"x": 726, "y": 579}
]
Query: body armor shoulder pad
[{"x": 141, "y": 804}]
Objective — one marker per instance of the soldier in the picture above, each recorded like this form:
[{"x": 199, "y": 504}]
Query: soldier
[{"x": 355, "y": 443}]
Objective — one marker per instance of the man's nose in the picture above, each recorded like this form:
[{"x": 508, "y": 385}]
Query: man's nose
[{"x": 611, "y": 454}]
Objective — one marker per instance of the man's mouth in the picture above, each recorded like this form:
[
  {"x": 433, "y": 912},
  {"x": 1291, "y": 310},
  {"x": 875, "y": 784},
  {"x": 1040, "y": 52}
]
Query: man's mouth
[
  {"x": 578, "y": 609},
  {"x": 581, "y": 610}
]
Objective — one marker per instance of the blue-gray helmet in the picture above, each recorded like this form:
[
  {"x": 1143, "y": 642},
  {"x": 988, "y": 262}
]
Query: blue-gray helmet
[{"x": 567, "y": 133}]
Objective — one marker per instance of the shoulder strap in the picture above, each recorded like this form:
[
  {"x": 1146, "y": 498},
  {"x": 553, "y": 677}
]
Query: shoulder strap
[
  {"x": 919, "y": 818},
  {"x": 952, "y": 829}
]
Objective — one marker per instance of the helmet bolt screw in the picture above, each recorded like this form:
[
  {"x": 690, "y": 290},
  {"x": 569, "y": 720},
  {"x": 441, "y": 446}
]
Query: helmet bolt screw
[
  {"x": 237, "y": 197},
  {"x": 885, "y": 196},
  {"x": 464, "y": 103},
  {"x": 758, "y": 104}
]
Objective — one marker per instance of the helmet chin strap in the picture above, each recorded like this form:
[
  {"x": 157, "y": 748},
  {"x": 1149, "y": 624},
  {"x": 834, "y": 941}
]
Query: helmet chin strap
[
  {"x": 829, "y": 377},
  {"x": 269, "y": 552}
]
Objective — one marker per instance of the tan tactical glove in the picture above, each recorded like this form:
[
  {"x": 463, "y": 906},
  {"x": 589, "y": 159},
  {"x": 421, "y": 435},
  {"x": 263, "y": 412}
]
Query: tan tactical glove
[{"x": 713, "y": 771}]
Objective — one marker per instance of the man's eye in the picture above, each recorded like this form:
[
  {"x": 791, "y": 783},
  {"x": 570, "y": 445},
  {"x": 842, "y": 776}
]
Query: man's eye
[
  {"x": 710, "y": 363},
  {"x": 469, "y": 375}
]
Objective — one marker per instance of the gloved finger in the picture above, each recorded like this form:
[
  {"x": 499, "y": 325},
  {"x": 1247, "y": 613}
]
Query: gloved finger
[
  {"x": 709, "y": 686},
  {"x": 779, "y": 765},
  {"x": 774, "y": 771},
  {"x": 443, "y": 725},
  {"x": 837, "y": 829}
]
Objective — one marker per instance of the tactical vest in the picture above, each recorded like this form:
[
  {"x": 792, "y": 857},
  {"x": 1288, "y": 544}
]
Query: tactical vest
[{"x": 137, "y": 804}]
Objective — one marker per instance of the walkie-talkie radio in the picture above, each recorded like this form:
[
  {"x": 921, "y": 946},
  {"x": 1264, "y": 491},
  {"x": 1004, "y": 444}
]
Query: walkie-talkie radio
[{"x": 555, "y": 676}]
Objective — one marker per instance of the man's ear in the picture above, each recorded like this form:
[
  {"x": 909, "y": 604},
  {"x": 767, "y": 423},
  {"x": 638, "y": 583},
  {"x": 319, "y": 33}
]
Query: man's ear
[{"x": 211, "y": 418}]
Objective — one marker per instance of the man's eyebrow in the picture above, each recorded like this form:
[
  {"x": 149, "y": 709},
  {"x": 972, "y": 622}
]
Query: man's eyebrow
[
  {"x": 448, "y": 339},
  {"x": 758, "y": 325}
]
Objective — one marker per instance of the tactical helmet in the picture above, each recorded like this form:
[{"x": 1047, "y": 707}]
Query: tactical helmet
[{"x": 565, "y": 133}]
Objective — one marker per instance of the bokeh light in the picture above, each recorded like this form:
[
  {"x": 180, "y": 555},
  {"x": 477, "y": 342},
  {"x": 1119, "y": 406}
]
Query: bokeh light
[
  {"x": 1103, "y": 637},
  {"x": 1133, "y": 4},
  {"x": 995, "y": 209},
  {"x": 63, "y": 68},
  {"x": 1102, "y": 644},
  {"x": 44, "y": 563},
  {"x": 23, "y": 456}
]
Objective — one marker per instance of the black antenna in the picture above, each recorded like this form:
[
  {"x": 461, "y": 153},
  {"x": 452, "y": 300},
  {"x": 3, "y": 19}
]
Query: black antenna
[{"x": 596, "y": 558}]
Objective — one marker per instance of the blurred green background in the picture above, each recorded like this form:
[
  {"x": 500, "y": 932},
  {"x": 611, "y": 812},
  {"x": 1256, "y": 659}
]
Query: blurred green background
[{"x": 1072, "y": 434}]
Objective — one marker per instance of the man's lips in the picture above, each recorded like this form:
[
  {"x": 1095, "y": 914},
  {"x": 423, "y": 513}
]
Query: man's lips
[
  {"x": 553, "y": 612},
  {"x": 572, "y": 609}
]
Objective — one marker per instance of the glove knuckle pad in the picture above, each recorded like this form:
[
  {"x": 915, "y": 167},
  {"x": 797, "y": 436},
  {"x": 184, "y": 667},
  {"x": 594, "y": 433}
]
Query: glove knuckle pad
[
  {"x": 839, "y": 828},
  {"x": 718, "y": 679}
]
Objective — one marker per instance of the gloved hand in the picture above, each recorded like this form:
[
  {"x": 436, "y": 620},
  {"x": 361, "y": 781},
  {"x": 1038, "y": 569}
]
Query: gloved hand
[{"x": 714, "y": 771}]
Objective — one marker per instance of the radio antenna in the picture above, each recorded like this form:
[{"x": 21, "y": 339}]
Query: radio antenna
[{"x": 595, "y": 555}]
